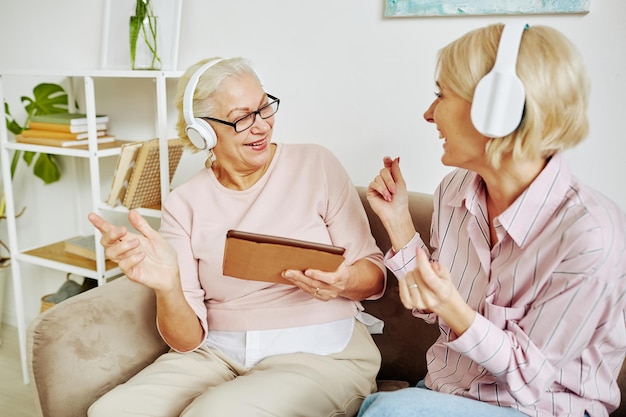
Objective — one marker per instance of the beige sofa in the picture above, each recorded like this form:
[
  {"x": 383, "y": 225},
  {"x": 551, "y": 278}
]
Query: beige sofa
[{"x": 86, "y": 345}]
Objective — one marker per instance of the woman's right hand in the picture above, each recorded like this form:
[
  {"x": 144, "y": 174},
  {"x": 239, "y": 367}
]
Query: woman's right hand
[
  {"x": 146, "y": 257},
  {"x": 388, "y": 197}
]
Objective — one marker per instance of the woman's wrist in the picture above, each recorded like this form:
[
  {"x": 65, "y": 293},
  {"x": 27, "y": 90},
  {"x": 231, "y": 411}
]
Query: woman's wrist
[
  {"x": 457, "y": 314},
  {"x": 400, "y": 231}
]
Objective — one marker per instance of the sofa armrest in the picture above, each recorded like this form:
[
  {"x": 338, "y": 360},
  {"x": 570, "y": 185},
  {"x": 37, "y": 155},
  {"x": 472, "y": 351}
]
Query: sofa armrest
[{"x": 86, "y": 345}]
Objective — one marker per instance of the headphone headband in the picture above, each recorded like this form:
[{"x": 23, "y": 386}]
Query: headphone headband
[{"x": 499, "y": 97}]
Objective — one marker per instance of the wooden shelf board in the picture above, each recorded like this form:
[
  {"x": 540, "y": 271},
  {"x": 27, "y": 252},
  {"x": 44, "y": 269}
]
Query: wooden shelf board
[
  {"x": 82, "y": 151},
  {"x": 109, "y": 145},
  {"x": 56, "y": 252}
]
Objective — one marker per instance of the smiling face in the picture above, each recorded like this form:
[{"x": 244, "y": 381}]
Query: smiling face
[
  {"x": 247, "y": 152},
  {"x": 463, "y": 146}
]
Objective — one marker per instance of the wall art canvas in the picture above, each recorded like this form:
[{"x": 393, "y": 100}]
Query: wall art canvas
[{"x": 399, "y": 8}]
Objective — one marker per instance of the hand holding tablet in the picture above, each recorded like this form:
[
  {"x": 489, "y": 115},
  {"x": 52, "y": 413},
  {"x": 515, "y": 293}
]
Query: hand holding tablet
[{"x": 260, "y": 257}]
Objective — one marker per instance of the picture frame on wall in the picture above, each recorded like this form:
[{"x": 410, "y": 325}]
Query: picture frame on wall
[
  {"x": 401, "y": 8},
  {"x": 115, "y": 47}
]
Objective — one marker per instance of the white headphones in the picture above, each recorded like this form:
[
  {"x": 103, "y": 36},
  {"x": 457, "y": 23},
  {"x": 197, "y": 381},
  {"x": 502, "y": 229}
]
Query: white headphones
[
  {"x": 200, "y": 132},
  {"x": 499, "y": 97}
]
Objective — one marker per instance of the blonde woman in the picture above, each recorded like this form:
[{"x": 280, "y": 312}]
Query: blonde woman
[{"x": 527, "y": 277}]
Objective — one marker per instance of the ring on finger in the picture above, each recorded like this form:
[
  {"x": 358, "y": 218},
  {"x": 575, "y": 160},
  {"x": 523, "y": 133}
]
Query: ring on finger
[
  {"x": 317, "y": 290},
  {"x": 414, "y": 285}
]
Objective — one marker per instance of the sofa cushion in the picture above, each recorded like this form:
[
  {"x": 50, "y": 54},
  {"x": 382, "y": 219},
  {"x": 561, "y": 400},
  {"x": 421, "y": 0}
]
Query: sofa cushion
[{"x": 405, "y": 339}]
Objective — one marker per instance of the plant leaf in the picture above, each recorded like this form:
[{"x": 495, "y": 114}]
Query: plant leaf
[
  {"x": 11, "y": 123},
  {"x": 143, "y": 8},
  {"x": 48, "y": 99},
  {"x": 135, "y": 24},
  {"x": 14, "y": 161},
  {"x": 28, "y": 157},
  {"x": 46, "y": 168}
]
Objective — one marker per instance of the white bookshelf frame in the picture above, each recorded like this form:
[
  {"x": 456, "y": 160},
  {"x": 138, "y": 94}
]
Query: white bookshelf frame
[{"x": 19, "y": 253}]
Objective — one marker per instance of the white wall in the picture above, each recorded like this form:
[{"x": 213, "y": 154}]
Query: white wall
[{"x": 348, "y": 78}]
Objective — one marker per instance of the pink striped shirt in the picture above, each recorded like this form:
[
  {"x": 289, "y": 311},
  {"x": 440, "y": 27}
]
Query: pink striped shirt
[{"x": 550, "y": 336}]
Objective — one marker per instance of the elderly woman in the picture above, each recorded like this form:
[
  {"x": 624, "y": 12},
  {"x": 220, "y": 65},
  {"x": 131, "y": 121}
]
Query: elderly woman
[
  {"x": 247, "y": 347},
  {"x": 526, "y": 279}
]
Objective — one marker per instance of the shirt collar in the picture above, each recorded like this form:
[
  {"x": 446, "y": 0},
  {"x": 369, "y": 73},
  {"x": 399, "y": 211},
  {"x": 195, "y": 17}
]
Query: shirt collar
[
  {"x": 471, "y": 190},
  {"x": 530, "y": 212}
]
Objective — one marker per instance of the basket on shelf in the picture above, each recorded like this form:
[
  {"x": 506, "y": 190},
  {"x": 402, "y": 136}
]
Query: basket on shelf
[
  {"x": 69, "y": 289},
  {"x": 45, "y": 305}
]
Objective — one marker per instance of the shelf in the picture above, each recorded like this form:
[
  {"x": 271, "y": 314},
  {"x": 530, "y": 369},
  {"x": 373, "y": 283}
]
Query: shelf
[
  {"x": 54, "y": 256},
  {"x": 104, "y": 149},
  {"x": 95, "y": 73}
]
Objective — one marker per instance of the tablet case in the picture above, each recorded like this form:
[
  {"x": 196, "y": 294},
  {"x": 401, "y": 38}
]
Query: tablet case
[{"x": 260, "y": 257}]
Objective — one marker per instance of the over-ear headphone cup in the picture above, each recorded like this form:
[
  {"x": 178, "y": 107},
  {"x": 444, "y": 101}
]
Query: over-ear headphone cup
[
  {"x": 201, "y": 134},
  {"x": 498, "y": 104}
]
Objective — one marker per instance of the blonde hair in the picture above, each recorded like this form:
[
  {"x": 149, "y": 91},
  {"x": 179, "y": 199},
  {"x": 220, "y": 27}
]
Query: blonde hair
[
  {"x": 554, "y": 77},
  {"x": 208, "y": 85}
]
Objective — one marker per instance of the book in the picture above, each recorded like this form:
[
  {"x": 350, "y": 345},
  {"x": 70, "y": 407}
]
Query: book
[
  {"x": 123, "y": 170},
  {"x": 84, "y": 246},
  {"x": 260, "y": 257},
  {"x": 63, "y": 143},
  {"x": 58, "y": 127},
  {"x": 68, "y": 118},
  {"x": 36, "y": 133},
  {"x": 144, "y": 184}
]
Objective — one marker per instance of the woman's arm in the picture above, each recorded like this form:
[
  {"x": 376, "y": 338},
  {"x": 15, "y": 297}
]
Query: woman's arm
[
  {"x": 148, "y": 259},
  {"x": 388, "y": 197}
]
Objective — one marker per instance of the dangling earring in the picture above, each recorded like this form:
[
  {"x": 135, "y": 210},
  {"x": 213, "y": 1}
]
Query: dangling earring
[{"x": 210, "y": 159}]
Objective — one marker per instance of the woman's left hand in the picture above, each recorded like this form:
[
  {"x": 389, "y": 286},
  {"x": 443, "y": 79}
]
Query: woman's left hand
[
  {"x": 145, "y": 257},
  {"x": 429, "y": 288},
  {"x": 320, "y": 284}
]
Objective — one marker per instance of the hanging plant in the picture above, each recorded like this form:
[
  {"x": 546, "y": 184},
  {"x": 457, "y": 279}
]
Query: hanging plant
[{"x": 143, "y": 37}]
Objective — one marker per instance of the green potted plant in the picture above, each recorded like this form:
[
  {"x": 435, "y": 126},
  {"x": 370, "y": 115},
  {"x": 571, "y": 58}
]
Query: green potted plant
[
  {"x": 47, "y": 99},
  {"x": 143, "y": 37}
]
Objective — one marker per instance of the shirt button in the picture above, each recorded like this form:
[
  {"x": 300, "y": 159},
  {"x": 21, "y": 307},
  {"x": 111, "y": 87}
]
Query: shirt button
[{"x": 480, "y": 368}]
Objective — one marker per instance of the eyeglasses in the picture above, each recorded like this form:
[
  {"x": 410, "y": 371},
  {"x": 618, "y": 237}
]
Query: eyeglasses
[{"x": 246, "y": 122}]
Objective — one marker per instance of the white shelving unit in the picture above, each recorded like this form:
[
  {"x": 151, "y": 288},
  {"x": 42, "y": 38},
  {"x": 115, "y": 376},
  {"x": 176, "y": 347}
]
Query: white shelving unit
[{"x": 52, "y": 255}]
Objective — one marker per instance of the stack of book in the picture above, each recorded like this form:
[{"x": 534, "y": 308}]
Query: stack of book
[
  {"x": 63, "y": 129},
  {"x": 84, "y": 246}
]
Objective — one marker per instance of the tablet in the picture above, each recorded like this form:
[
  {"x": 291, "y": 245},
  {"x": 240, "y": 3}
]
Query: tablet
[{"x": 261, "y": 257}]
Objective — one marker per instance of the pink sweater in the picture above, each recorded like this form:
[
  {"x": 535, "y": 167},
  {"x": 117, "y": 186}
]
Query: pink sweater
[{"x": 305, "y": 194}]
